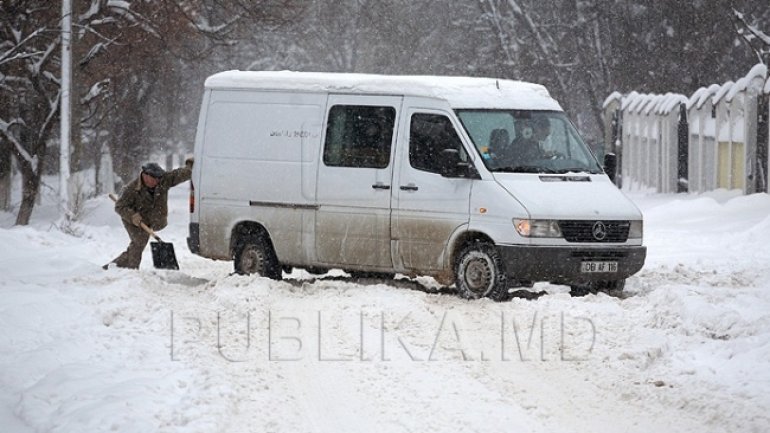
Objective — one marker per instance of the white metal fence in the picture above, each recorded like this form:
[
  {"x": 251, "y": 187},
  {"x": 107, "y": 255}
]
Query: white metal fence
[{"x": 715, "y": 138}]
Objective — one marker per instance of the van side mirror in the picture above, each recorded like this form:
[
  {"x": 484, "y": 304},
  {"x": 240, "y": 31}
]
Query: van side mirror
[
  {"x": 611, "y": 165},
  {"x": 453, "y": 166}
]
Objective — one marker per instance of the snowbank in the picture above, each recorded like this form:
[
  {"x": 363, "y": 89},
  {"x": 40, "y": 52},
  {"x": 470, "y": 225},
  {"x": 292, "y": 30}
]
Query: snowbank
[{"x": 687, "y": 350}]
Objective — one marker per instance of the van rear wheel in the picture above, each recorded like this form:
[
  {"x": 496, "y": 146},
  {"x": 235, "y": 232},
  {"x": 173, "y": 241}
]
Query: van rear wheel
[
  {"x": 255, "y": 255},
  {"x": 479, "y": 272}
]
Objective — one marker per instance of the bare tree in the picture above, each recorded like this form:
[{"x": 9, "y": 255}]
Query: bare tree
[
  {"x": 5, "y": 168},
  {"x": 141, "y": 64},
  {"x": 146, "y": 86},
  {"x": 585, "y": 49},
  {"x": 29, "y": 39},
  {"x": 111, "y": 36},
  {"x": 757, "y": 40}
]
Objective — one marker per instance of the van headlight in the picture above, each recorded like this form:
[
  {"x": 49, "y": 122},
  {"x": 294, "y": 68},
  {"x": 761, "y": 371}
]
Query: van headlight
[
  {"x": 537, "y": 228},
  {"x": 635, "y": 230}
]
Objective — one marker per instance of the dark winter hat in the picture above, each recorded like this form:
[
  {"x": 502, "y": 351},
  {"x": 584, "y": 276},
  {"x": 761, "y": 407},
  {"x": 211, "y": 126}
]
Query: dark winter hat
[{"x": 153, "y": 170}]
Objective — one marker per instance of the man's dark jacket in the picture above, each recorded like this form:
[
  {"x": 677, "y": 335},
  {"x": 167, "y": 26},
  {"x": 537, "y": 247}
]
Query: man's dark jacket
[{"x": 152, "y": 205}]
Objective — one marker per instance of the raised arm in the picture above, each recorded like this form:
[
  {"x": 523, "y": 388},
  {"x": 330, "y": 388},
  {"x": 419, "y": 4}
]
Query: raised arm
[{"x": 179, "y": 175}]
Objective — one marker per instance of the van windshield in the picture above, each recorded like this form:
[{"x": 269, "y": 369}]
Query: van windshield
[{"x": 527, "y": 141}]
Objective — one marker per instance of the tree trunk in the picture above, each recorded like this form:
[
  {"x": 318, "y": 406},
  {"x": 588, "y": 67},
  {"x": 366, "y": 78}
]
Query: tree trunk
[
  {"x": 5, "y": 175},
  {"x": 78, "y": 160},
  {"x": 30, "y": 182},
  {"x": 97, "y": 161}
]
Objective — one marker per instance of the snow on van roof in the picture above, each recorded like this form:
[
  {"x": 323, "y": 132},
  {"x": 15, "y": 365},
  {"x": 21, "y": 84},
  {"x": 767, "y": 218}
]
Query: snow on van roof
[{"x": 460, "y": 92}]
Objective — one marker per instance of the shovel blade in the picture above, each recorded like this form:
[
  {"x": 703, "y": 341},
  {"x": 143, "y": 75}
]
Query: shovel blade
[{"x": 163, "y": 256}]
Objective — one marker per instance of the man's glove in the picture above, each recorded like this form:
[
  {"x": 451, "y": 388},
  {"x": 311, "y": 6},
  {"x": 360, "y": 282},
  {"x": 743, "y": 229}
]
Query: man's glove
[
  {"x": 136, "y": 219},
  {"x": 189, "y": 162}
]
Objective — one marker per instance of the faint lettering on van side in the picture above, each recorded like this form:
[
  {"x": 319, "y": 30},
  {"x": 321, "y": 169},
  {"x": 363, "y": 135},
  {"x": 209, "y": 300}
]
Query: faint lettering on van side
[{"x": 285, "y": 133}]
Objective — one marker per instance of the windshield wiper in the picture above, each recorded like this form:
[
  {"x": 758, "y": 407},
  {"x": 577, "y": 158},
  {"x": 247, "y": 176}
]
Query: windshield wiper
[
  {"x": 525, "y": 169},
  {"x": 574, "y": 170}
]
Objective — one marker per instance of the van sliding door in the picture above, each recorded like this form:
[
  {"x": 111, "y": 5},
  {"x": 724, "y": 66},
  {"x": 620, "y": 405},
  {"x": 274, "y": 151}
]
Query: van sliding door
[{"x": 354, "y": 184}]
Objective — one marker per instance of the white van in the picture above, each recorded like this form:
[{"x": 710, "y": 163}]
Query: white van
[{"x": 479, "y": 182}]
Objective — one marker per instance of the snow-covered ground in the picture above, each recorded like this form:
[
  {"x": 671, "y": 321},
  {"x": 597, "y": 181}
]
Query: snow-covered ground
[{"x": 687, "y": 349}]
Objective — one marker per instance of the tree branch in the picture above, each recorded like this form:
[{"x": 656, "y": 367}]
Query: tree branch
[{"x": 19, "y": 149}]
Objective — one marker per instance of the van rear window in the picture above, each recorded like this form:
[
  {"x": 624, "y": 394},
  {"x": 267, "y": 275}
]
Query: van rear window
[{"x": 359, "y": 136}]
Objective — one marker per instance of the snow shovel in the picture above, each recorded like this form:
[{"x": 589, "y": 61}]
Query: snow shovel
[{"x": 163, "y": 256}]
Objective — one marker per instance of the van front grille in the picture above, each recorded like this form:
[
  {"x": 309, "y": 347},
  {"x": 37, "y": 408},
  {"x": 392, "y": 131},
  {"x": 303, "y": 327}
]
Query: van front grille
[
  {"x": 594, "y": 231},
  {"x": 599, "y": 254}
]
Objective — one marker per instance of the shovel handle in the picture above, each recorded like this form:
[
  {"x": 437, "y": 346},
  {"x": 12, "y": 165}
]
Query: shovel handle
[
  {"x": 141, "y": 224},
  {"x": 150, "y": 231}
]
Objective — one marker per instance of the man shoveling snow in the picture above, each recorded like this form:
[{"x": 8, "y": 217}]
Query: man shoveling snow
[{"x": 145, "y": 200}]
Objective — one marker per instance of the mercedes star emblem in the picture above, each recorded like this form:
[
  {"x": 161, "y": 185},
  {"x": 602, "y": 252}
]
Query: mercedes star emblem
[{"x": 599, "y": 231}]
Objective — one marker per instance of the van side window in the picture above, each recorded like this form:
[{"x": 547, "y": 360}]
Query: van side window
[
  {"x": 429, "y": 136},
  {"x": 359, "y": 136}
]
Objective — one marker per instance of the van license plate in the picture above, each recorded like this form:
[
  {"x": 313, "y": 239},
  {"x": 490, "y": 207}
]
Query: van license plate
[{"x": 599, "y": 267}]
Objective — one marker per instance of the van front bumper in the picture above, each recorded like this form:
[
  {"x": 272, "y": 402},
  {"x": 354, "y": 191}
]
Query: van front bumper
[{"x": 562, "y": 265}]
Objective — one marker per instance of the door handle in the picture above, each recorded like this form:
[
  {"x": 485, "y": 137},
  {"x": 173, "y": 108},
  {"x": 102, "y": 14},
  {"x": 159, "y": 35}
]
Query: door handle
[
  {"x": 410, "y": 187},
  {"x": 380, "y": 186}
]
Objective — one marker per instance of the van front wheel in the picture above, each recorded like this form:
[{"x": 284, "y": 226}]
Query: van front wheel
[
  {"x": 254, "y": 255},
  {"x": 479, "y": 273}
]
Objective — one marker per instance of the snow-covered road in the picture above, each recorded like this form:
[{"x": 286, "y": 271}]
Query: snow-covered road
[{"x": 687, "y": 349}]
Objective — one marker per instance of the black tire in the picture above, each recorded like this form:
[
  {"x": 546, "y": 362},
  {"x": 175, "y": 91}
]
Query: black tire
[
  {"x": 613, "y": 288},
  {"x": 254, "y": 254},
  {"x": 479, "y": 272}
]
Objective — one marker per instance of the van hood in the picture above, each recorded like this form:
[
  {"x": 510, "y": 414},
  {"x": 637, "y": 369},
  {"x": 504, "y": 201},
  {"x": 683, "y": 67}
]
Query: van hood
[{"x": 570, "y": 196}]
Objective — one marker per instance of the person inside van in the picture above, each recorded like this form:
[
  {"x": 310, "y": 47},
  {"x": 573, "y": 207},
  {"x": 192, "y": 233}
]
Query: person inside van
[
  {"x": 499, "y": 142},
  {"x": 524, "y": 149},
  {"x": 542, "y": 130}
]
